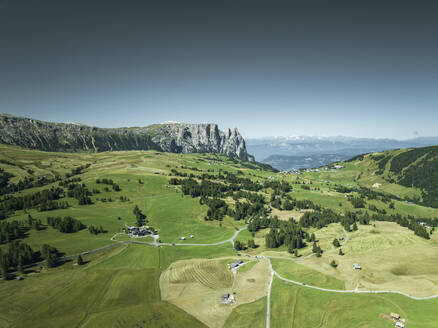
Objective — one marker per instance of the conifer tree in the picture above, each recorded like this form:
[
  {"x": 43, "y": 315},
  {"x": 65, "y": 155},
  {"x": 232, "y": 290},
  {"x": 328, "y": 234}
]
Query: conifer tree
[{"x": 80, "y": 261}]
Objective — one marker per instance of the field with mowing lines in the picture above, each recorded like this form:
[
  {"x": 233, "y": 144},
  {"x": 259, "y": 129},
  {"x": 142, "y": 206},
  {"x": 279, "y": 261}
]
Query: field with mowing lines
[
  {"x": 197, "y": 287},
  {"x": 212, "y": 274}
]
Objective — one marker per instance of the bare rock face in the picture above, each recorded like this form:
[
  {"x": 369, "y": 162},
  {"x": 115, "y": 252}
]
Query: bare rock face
[
  {"x": 201, "y": 138},
  {"x": 169, "y": 137}
]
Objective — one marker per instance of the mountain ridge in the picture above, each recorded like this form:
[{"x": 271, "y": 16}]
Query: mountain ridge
[
  {"x": 169, "y": 137},
  {"x": 288, "y": 150}
]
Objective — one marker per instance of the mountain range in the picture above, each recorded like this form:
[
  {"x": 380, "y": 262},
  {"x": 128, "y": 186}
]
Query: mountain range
[
  {"x": 304, "y": 152},
  {"x": 170, "y": 137}
]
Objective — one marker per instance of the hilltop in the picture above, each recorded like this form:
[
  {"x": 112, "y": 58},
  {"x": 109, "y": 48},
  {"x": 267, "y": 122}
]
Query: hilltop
[{"x": 169, "y": 137}]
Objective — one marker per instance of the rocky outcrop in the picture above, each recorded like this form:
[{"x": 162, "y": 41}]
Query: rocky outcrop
[{"x": 169, "y": 137}]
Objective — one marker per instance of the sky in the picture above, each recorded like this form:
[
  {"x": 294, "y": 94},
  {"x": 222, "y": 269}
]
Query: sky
[{"x": 269, "y": 68}]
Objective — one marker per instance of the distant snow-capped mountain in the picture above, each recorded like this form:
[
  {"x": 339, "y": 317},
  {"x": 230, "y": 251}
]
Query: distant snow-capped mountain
[{"x": 323, "y": 149}]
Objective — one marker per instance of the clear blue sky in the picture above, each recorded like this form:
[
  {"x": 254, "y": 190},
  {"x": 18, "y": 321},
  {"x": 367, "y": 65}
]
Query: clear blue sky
[{"x": 266, "y": 67}]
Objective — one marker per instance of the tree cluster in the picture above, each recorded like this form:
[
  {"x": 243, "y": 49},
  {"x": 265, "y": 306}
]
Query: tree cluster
[
  {"x": 80, "y": 192},
  {"x": 287, "y": 233},
  {"x": 110, "y": 182},
  {"x": 96, "y": 230},
  {"x": 44, "y": 200},
  {"x": 51, "y": 255},
  {"x": 15, "y": 257},
  {"x": 139, "y": 216},
  {"x": 66, "y": 224},
  {"x": 217, "y": 208}
]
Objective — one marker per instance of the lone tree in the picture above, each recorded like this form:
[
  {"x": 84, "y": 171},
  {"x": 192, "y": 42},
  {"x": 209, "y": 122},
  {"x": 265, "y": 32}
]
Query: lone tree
[
  {"x": 336, "y": 242},
  {"x": 341, "y": 252},
  {"x": 315, "y": 247},
  {"x": 80, "y": 260},
  {"x": 354, "y": 226},
  {"x": 333, "y": 264}
]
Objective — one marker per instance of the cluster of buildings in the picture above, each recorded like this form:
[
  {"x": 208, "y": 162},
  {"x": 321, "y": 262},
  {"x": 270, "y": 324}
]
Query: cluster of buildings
[
  {"x": 424, "y": 224},
  {"x": 291, "y": 171},
  {"x": 299, "y": 171},
  {"x": 236, "y": 264},
  {"x": 227, "y": 298},
  {"x": 399, "y": 322},
  {"x": 357, "y": 266},
  {"x": 138, "y": 232}
]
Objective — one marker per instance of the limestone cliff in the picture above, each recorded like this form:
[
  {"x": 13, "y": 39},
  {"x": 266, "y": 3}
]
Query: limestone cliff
[{"x": 169, "y": 137}]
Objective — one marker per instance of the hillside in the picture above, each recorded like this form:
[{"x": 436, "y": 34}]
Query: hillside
[
  {"x": 202, "y": 213},
  {"x": 169, "y": 137},
  {"x": 416, "y": 168}
]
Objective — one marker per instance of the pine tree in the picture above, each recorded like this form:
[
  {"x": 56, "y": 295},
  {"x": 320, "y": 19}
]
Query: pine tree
[
  {"x": 341, "y": 252},
  {"x": 20, "y": 265},
  {"x": 51, "y": 260},
  {"x": 80, "y": 261},
  {"x": 315, "y": 247},
  {"x": 336, "y": 242},
  {"x": 238, "y": 246},
  {"x": 333, "y": 264},
  {"x": 354, "y": 226},
  {"x": 4, "y": 265}
]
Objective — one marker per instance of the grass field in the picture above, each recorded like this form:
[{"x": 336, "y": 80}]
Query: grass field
[
  {"x": 248, "y": 315},
  {"x": 297, "y": 272},
  {"x": 181, "y": 286},
  {"x": 392, "y": 258},
  {"x": 294, "y": 306},
  {"x": 173, "y": 215},
  {"x": 117, "y": 288},
  {"x": 197, "y": 285}
]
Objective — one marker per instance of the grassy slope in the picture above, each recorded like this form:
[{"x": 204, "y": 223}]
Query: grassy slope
[
  {"x": 115, "y": 289},
  {"x": 167, "y": 210},
  {"x": 294, "y": 306},
  {"x": 295, "y": 271},
  {"x": 248, "y": 315},
  {"x": 136, "y": 269}
]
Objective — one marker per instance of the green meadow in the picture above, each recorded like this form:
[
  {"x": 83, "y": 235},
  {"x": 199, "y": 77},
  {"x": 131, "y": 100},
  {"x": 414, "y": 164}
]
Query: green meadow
[
  {"x": 295, "y": 306},
  {"x": 120, "y": 287}
]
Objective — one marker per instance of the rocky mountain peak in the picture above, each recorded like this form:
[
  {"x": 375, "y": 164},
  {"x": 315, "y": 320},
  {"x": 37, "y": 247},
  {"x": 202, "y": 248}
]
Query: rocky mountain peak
[{"x": 169, "y": 136}]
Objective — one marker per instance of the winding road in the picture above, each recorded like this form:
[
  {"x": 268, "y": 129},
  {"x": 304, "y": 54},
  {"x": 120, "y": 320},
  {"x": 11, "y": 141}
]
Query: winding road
[
  {"x": 273, "y": 272},
  {"x": 154, "y": 243}
]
